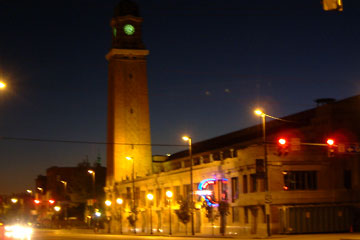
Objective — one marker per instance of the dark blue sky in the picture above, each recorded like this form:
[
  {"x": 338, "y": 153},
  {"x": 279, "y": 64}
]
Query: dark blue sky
[{"x": 211, "y": 63}]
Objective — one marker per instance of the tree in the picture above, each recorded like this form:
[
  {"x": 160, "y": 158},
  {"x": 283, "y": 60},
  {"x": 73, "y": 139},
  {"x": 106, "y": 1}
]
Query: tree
[
  {"x": 223, "y": 212},
  {"x": 132, "y": 218},
  {"x": 184, "y": 212},
  {"x": 210, "y": 214}
]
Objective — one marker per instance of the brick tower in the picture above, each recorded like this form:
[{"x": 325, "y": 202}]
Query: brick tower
[{"x": 128, "y": 104}]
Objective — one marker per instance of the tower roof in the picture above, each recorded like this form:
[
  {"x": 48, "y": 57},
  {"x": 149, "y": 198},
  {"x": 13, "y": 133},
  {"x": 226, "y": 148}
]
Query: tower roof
[{"x": 126, "y": 7}]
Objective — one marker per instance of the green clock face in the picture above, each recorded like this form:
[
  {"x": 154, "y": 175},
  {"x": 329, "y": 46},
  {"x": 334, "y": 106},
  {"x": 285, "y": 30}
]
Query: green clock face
[{"x": 129, "y": 29}]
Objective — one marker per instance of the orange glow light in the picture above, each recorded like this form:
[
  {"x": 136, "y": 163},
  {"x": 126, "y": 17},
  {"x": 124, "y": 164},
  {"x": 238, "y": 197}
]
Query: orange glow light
[
  {"x": 330, "y": 142},
  {"x": 282, "y": 141}
]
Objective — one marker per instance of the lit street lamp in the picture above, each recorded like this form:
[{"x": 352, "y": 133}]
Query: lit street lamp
[
  {"x": 65, "y": 193},
  {"x": 119, "y": 201},
  {"x": 169, "y": 195},
  {"x": 40, "y": 189},
  {"x": 92, "y": 172},
  {"x": 267, "y": 195},
  {"x": 133, "y": 188},
  {"x": 189, "y": 140},
  {"x": 108, "y": 205},
  {"x": 14, "y": 200},
  {"x": 150, "y": 197},
  {"x": 2, "y": 85}
]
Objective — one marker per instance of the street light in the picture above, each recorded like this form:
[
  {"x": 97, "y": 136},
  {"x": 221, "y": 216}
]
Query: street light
[
  {"x": 169, "y": 195},
  {"x": 267, "y": 210},
  {"x": 108, "y": 203},
  {"x": 150, "y": 197},
  {"x": 189, "y": 140},
  {"x": 119, "y": 201},
  {"x": 14, "y": 200},
  {"x": 133, "y": 188},
  {"x": 2, "y": 85},
  {"x": 92, "y": 172},
  {"x": 65, "y": 193}
]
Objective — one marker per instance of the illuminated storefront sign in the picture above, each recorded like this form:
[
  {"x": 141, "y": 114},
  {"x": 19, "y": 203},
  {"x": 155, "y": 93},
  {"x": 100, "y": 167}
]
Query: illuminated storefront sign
[{"x": 206, "y": 190}]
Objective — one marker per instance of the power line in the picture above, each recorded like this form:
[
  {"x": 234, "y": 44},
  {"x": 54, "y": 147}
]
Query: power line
[{"x": 87, "y": 142}]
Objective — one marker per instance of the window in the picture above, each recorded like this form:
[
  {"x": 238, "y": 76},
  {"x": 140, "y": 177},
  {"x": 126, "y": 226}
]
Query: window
[
  {"x": 253, "y": 183},
  {"x": 235, "y": 214},
  {"x": 224, "y": 189},
  {"x": 137, "y": 195},
  {"x": 234, "y": 189},
  {"x": 187, "y": 163},
  {"x": 227, "y": 154},
  {"x": 142, "y": 198},
  {"x": 245, "y": 184},
  {"x": 246, "y": 215},
  {"x": 158, "y": 196},
  {"x": 347, "y": 179},
  {"x": 187, "y": 191},
  {"x": 196, "y": 161},
  {"x": 206, "y": 159},
  {"x": 128, "y": 193},
  {"x": 177, "y": 195},
  {"x": 300, "y": 180},
  {"x": 216, "y": 156}
]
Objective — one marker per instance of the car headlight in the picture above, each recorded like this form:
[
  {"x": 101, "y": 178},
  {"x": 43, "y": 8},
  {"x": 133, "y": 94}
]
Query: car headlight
[{"x": 18, "y": 231}]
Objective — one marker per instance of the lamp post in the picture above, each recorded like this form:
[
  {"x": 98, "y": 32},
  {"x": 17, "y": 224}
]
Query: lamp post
[
  {"x": 133, "y": 188},
  {"x": 108, "y": 205},
  {"x": 267, "y": 195},
  {"x": 92, "y": 172},
  {"x": 65, "y": 193},
  {"x": 150, "y": 197},
  {"x": 169, "y": 195},
  {"x": 189, "y": 140},
  {"x": 119, "y": 201}
]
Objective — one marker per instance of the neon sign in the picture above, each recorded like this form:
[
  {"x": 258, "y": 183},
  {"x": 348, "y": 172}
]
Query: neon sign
[{"x": 208, "y": 194}]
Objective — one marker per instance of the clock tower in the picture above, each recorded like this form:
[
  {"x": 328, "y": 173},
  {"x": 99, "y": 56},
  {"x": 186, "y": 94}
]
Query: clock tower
[{"x": 128, "y": 130}]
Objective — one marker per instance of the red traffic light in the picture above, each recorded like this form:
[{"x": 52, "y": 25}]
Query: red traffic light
[
  {"x": 51, "y": 201},
  {"x": 282, "y": 141},
  {"x": 37, "y": 201},
  {"x": 330, "y": 141}
]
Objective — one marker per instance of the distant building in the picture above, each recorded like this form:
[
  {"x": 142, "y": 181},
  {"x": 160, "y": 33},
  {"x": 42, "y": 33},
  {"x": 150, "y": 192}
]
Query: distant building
[{"x": 71, "y": 188}]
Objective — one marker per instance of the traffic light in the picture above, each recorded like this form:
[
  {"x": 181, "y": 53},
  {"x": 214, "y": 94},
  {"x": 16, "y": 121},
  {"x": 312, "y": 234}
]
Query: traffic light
[
  {"x": 51, "y": 201},
  {"x": 283, "y": 146},
  {"x": 332, "y": 5},
  {"x": 331, "y": 144}
]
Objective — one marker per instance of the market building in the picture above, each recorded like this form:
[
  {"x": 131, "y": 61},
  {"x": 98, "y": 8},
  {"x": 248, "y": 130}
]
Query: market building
[{"x": 304, "y": 185}]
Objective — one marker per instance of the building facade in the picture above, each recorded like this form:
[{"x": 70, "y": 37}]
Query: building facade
[{"x": 311, "y": 187}]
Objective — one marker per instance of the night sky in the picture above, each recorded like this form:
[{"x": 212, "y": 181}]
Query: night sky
[{"x": 210, "y": 64}]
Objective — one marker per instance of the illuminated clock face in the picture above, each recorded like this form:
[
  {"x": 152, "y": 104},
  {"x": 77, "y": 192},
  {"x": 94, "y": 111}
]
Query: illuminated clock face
[{"x": 129, "y": 29}]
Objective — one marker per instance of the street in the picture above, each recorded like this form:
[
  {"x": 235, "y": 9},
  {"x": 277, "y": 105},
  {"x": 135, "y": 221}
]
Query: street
[{"x": 40, "y": 234}]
